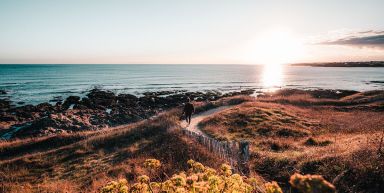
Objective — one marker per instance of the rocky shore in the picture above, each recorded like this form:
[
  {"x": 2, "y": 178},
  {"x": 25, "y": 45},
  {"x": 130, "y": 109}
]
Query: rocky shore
[{"x": 98, "y": 109}]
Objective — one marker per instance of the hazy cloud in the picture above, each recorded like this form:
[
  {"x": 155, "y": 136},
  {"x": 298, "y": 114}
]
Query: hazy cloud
[{"x": 374, "y": 39}]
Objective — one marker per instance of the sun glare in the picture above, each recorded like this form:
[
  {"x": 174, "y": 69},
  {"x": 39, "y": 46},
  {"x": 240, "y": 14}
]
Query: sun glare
[
  {"x": 274, "y": 47},
  {"x": 272, "y": 77}
]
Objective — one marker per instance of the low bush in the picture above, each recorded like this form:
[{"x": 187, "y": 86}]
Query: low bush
[{"x": 200, "y": 178}]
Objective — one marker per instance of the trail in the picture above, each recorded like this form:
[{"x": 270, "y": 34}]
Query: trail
[
  {"x": 235, "y": 153},
  {"x": 197, "y": 118}
]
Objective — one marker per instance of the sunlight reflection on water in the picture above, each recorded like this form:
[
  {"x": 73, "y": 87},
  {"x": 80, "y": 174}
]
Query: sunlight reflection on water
[{"x": 272, "y": 77}]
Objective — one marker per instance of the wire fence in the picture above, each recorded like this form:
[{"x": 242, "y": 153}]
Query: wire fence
[{"x": 236, "y": 153}]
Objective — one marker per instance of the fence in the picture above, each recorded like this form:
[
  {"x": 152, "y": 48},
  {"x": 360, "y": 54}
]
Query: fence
[{"x": 236, "y": 153}]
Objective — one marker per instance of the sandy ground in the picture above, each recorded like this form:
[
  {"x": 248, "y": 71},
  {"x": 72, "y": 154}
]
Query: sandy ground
[{"x": 197, "y": 118}]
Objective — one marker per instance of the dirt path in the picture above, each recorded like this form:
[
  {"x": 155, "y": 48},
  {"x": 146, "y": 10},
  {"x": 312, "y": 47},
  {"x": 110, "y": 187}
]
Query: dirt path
[{"x": 199, "y": 117}]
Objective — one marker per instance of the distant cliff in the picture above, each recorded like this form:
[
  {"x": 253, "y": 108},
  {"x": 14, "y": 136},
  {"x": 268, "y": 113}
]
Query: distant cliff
[{"x": 343, "y": 64}]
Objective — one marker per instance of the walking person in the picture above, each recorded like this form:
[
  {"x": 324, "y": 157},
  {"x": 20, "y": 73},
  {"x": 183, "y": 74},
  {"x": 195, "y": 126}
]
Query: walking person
[{"x": 189, "y": 109}]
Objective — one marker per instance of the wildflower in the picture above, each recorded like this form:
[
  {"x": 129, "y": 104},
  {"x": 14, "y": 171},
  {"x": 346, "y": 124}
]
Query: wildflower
[
  {"x": 206, "y": 179},
  {"x": 143, "y": 179},
  {"x": 180, "y": 190},
  {"x": 155, "y": 184},
  {"x": 190, "y": 162},
  {"x": 123, "y": 189},
  {"x": 210, "y": 171},
  {"x": 182, "y": 174},
  {"x": 226, "y": 169},
  {"x": 198, "y": 167},
  {"x": 138, "y": 187},
  {"x": 213, "y": 180},
  {"x": 152, "y": 163},
  {"x": 237, "y": 178},
  {"x": 192, "y": 179},
  {"x": 272, "y": 187},
  {"x": 110, "y": 187},
  {"x": 166, "y": 186},
  {"x": 311, "y": 184},
  {"x": 123, "y": 181},
  {"x": 178, "y": 180}
]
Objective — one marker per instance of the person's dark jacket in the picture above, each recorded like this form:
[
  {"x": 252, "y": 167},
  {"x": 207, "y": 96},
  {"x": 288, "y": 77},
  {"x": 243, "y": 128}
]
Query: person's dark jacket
[{"x": 189, "y": 109}]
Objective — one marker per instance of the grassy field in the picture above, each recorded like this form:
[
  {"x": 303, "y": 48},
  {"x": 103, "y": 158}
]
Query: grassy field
[
  {"x": 85, "y": 161},
  {"x": 339, "y": 137},
  {"x": 290, "y": 132}
]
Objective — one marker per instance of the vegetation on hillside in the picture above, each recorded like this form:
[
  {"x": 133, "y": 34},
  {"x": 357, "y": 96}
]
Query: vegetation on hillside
[
  {"x": 202, "y": 179},
  {"x": 339, "y": 136},
  {"x": 84, "y": 161},
  {"x": 343, "y": 143}
]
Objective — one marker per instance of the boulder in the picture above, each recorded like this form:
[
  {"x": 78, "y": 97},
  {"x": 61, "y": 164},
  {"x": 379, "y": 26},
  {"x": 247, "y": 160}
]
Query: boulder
[
  {"x": 100, "y": 98},
  {"x": 71, "y": 100},
  {"x": 5, "y": 104}
]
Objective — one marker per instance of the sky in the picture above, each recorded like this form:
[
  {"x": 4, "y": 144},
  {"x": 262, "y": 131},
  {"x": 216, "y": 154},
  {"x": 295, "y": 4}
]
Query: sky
[{"x": 190, "y": 32}]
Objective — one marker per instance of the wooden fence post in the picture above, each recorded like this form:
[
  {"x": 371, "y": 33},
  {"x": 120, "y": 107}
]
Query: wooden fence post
[{"x": 244, "y": 157}]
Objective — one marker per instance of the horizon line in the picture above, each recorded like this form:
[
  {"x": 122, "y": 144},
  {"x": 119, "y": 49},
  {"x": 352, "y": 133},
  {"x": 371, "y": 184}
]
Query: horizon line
[{"x": 183, "y": 63}]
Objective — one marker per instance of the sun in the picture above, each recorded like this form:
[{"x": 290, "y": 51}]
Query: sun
[{"x": 274, "y": 47}]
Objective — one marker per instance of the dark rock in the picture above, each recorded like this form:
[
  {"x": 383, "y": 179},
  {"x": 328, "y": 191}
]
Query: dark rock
[
  {"x": 8, "y": 118},
  {"x": 5, "y": 104},
  {"x": 127, "y": 100},
  {"x": 318, "y": 93},
  {"x": 25, "y": 111},
  {"x": 90, "y": 113},
  {"x": 70, "y": 100},
  {"x": 80, "y": 107},
  {"x": 99, "y": 98},
  {"x": 45, "y": 107}
]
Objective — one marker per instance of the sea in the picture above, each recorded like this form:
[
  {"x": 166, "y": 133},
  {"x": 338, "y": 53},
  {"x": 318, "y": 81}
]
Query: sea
[{"x": 35, "y": 83}]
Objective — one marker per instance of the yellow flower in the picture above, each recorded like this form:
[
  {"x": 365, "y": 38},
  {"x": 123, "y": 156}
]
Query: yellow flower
[
  {"x": 152, "y": 163},
  {"x": 272, "y": 187},
  {"x": 198, "y": 167},
  {"x": 190, "y": 162},
  {"x": 178, "y": 180},
  {"x": 226, "y": 169},
  {"x": 205, "y": 179},
  {"x": 143, "y": 179},
  {"x": 138, "y": 187},
  {"x": 155, "y": 184},
  {"x": 311, "y": 184},
  {"x": 213, "y": 180}
]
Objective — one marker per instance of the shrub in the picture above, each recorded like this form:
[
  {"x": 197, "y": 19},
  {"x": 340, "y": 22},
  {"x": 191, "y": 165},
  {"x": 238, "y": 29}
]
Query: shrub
[
  {"x": 200, "y": 178},
  {"x": 272, "y": 187},
  {"x": 312, "y": 142},
  {"x": 311, "y": 184}
]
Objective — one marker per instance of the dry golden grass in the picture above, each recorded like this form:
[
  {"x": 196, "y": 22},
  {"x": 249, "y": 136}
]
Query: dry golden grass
[
  {"x": 345, "y": 146},
  {"x": 90, "y": 162},
  {"x": 299, "y": 133},
  {"x": 85, "y": 161}
]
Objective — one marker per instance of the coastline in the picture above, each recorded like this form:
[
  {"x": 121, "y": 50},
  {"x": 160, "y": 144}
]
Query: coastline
[
  {"x": 103, "y": 109},
  {"x": 286, "y": 129},
  {"x": 97, "y": 110},
  {"x": 370, "y": 64}
]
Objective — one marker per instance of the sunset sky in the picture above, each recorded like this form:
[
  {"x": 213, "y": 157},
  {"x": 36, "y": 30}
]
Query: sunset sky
[{"x": 191, "y": 32}]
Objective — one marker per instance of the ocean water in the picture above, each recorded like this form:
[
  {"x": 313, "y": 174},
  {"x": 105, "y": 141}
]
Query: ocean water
[{"x": 34, "y": 84}]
